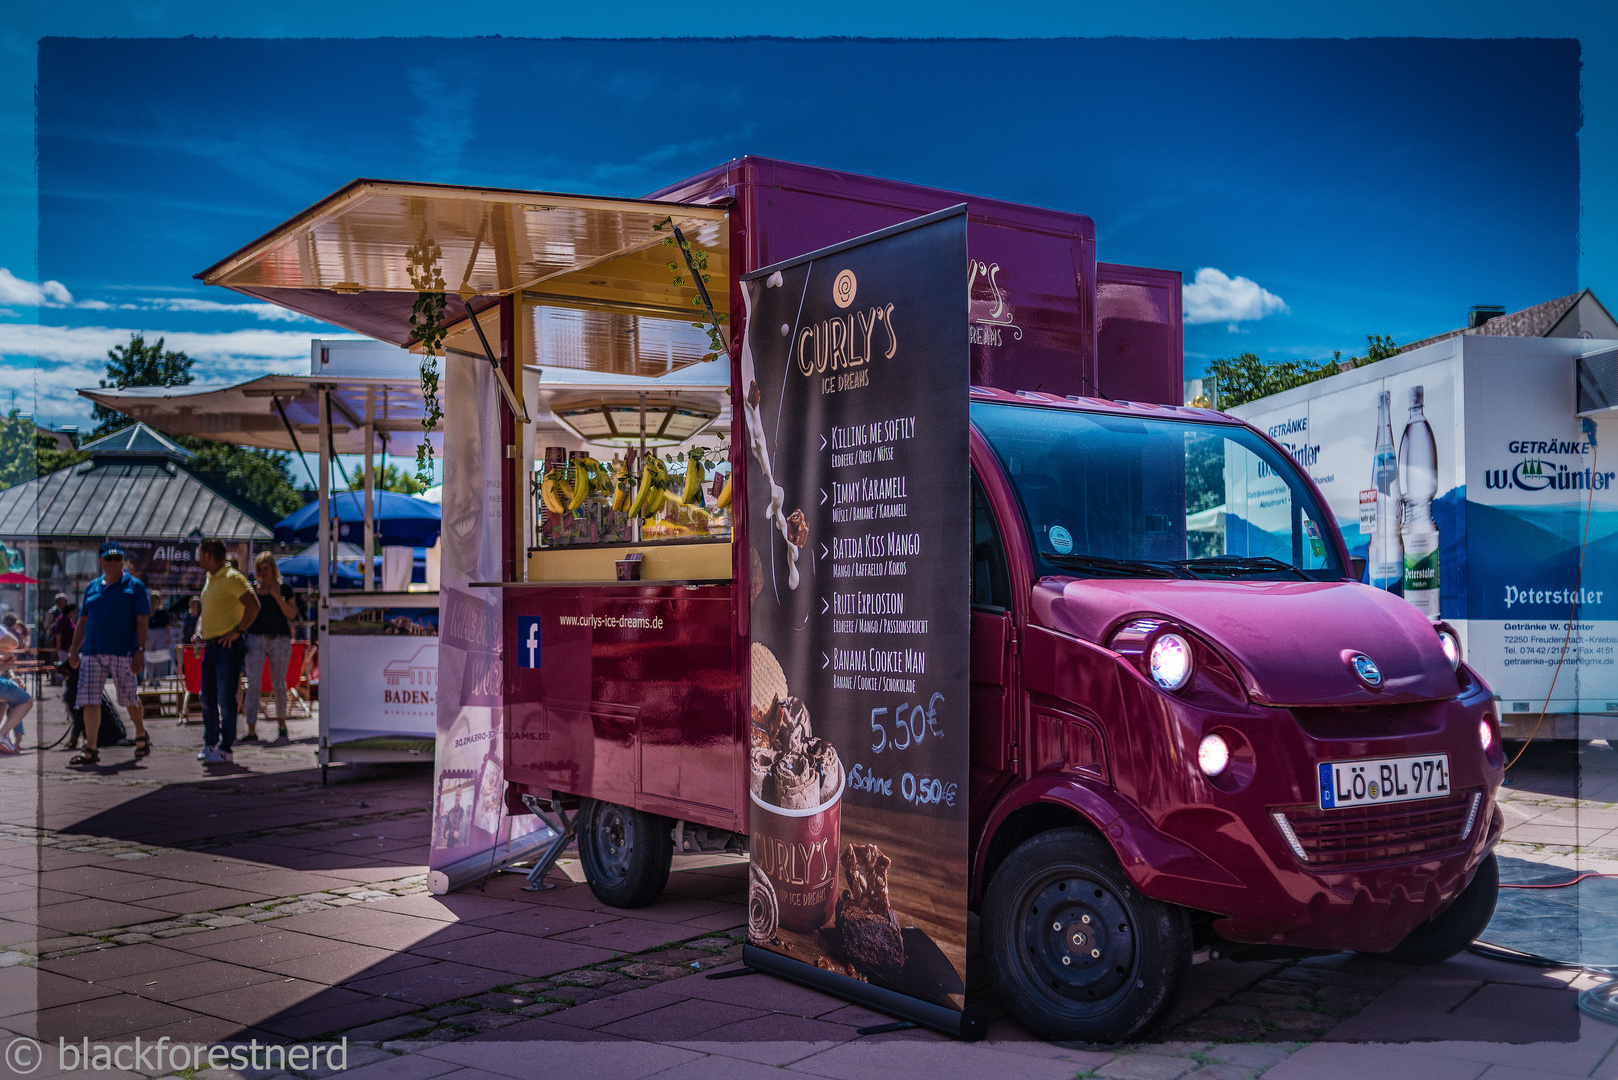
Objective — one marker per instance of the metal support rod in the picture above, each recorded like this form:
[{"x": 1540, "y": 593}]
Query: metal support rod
[
  {"x": 735, "y": 973},
  {"x": 324, "y": 540},
  {"x": 293, "y": 435},
  {"x": 518, "y": 409},
  {"x": 370, "y": 511},
  {"x": 702, "y": 289},
  {"x": 513, "y": 486}
]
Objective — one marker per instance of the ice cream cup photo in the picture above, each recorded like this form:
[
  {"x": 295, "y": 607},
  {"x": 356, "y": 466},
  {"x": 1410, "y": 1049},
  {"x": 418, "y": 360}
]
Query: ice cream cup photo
[{"x": 798, "y": 849}]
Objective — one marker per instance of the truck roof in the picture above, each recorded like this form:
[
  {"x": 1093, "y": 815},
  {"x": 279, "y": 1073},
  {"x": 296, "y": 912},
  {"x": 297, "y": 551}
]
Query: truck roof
[
  {"x": 778, "y": 175},
  {"x": 1078, "y": 403}
]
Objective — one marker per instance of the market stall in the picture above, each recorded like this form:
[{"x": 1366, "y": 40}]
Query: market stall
[{"x": 358, "y": 400}]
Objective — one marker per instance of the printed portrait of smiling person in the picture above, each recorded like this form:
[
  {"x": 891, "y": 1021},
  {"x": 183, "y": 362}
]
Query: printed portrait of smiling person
[{"x": 470, "y": 472}]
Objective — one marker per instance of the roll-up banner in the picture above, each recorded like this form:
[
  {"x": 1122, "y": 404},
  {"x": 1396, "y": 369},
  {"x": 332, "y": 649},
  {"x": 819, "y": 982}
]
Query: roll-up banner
[
  {"x": 473, "y": 835},
  {"x": 854, "y": 372}
]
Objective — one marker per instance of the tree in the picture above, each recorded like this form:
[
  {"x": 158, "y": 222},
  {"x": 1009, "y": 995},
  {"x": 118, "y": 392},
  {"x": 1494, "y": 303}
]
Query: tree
[
  {"x": 17, "y": 465},
  {"x": 258, "y": 477},
  {"x": 1245, "y": 378},
  {"x": 1380, "y": 348},
  {"x": 139, "y": 364},
  {"x": 48, "y": 457},
  {"x": 18, "y": 457},
  {"x": 389, "y": 479}
]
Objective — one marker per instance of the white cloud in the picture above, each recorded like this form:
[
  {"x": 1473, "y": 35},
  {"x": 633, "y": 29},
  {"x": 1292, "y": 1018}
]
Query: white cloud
[
  {"x": 68, "y": 344},
  {"x": 14, "y": 290},
  {"x": 262, "y": 312},
  {"x": 58, "y": 360},
  {"x": 1213, "y": 296}
]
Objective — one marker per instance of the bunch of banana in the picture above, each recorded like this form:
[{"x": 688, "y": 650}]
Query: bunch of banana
[
  {"x": 589, "y": 477},
  {"x": 555, "y": 491},
  {"x": 695, "y": 473},
  {"x": 653, "y": 490},
  {"x": 623, "y": 486},
  {"x": 581, "y": 484},
  {"x": 602, "y": 481},
  {"x": 660, "y": 490}
]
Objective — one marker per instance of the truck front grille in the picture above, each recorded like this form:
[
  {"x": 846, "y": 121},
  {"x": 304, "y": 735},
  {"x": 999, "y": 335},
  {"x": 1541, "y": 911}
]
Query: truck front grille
[{"x": 1379, "y": 834}]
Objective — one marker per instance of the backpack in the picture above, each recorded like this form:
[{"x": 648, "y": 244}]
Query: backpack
[{"x": 111, "y": 732}]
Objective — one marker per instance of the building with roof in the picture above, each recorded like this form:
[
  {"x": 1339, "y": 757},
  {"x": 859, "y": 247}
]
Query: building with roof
[
  {"x": 1580, "y": 315},
  {"x": 137, "y": 487}
]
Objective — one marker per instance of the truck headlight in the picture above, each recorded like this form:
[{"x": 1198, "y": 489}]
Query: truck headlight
[
  {"x": 1170, "y": 661},
  {"x": 1213, "y": 755},
  {"x": 1451, "y": 644}
]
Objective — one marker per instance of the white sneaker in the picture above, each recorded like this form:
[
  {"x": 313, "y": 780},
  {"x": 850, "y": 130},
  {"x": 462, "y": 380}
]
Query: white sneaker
[
  {"x": 222, "y": 757},
  {"x": 205, "y": 753}
]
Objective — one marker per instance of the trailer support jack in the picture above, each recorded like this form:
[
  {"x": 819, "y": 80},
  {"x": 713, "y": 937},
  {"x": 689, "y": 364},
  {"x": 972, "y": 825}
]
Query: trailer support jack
[{"x": 562, "y": 827}]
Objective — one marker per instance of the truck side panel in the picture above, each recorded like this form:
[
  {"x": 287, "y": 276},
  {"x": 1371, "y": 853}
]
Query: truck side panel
[
  {"x": 1140, "y": 348},
  {"x": 633, "y": 697}
]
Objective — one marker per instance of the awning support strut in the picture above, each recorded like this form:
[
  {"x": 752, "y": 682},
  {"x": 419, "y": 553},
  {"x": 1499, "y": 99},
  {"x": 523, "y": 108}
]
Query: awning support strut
[
  {"x": 293, "y": 435},
  {"x": 702, "y": 288},
  {"x": 518, "y": 409}
]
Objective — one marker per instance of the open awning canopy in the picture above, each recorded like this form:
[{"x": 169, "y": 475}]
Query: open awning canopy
[
  {"x": 595, "y": 276},
  {"x": 251, "y": 413}
]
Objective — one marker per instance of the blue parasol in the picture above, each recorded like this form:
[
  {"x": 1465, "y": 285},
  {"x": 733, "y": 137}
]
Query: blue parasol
[
  {"x": 301, "y": 571},
  {"x": 401, "y": 520}
]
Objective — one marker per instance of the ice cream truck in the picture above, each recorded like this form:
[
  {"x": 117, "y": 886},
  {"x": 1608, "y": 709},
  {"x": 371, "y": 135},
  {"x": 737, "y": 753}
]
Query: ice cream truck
[{"x": 919, "y": 606}]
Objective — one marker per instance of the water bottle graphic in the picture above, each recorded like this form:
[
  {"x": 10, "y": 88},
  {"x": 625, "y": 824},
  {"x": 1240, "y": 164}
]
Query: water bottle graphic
[
  {"x": 1418, "y": 479},
  {"x": 1386, "y": 555}
]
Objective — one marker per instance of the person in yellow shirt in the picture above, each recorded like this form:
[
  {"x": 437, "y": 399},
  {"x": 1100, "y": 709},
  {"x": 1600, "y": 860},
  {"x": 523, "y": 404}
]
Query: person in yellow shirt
[{"x": 228, "y": 609}]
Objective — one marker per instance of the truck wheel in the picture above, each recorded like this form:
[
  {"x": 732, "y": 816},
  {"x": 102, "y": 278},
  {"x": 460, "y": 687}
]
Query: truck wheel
[
  {"x": 1458, "y": 925},
  {"x": 625, "y": 853},
  {"x": 1076, "y": 952}
]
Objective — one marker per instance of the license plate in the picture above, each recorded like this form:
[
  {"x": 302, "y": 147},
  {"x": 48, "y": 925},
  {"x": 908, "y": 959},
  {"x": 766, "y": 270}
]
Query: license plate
[{"x": 1383, "y": 780}]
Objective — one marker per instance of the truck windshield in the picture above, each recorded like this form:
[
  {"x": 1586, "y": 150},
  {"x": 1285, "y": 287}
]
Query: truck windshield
[{"x": 1125, "y": 496}]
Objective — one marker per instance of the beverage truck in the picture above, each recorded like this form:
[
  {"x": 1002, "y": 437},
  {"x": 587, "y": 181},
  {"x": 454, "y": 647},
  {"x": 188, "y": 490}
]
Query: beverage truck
[
  {"x": 956, "y": 622},
  {"x": 1481, "y": 496}
]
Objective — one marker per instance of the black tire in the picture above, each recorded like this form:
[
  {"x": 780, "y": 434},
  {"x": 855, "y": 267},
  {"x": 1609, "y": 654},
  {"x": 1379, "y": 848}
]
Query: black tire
[
  {"x": 1458, "y": 925},
  {"x": 625, "y": 853},
  {"x": 1127, "y": 954}
]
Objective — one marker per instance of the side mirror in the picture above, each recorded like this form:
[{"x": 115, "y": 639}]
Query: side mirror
[{"x": 1358, "y": 563}]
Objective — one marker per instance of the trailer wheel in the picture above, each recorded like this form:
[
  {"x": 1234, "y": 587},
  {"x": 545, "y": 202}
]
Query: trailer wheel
[
  {"x": 625, "y": 853},
  {"x": 1457, "y": 926},
  {"x": 1076, "y": 952}
]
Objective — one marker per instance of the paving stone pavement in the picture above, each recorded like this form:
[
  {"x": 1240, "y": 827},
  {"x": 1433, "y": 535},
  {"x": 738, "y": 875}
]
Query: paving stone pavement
[{"x": 251, "y": 905}]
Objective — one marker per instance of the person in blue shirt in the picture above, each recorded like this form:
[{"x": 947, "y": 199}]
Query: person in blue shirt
[{"x": 110, "y": 643}]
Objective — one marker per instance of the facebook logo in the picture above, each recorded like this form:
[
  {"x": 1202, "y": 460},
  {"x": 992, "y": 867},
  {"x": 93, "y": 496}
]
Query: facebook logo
[{"x": 528, "y": 641}]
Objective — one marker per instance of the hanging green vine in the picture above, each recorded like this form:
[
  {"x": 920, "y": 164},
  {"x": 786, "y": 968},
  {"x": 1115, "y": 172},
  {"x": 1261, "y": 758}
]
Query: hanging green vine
[
  {"x": 699, "y": 260},
  {"x": 427, "y": 327}
]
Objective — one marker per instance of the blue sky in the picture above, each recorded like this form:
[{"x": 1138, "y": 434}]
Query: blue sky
[{"x": 1360, "y": 186}]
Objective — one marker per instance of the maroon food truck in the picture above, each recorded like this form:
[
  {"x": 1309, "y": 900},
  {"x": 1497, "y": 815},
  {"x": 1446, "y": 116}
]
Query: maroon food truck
[{"x": 966, "y": 629}]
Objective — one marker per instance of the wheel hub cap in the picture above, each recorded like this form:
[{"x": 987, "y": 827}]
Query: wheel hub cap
[
  {"x": 614, "y": 847},
  {"x": 1079, "y": 941}
]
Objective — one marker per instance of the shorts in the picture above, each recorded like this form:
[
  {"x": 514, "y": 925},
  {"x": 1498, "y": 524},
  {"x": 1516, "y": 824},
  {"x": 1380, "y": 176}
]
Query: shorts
[
  {"x": 94, "y": 671},
  {"x": 12, "y": 693}
]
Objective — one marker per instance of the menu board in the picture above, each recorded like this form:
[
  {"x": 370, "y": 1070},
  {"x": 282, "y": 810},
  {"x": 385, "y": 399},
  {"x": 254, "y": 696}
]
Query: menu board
[{"x": 854, "y": 374}]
